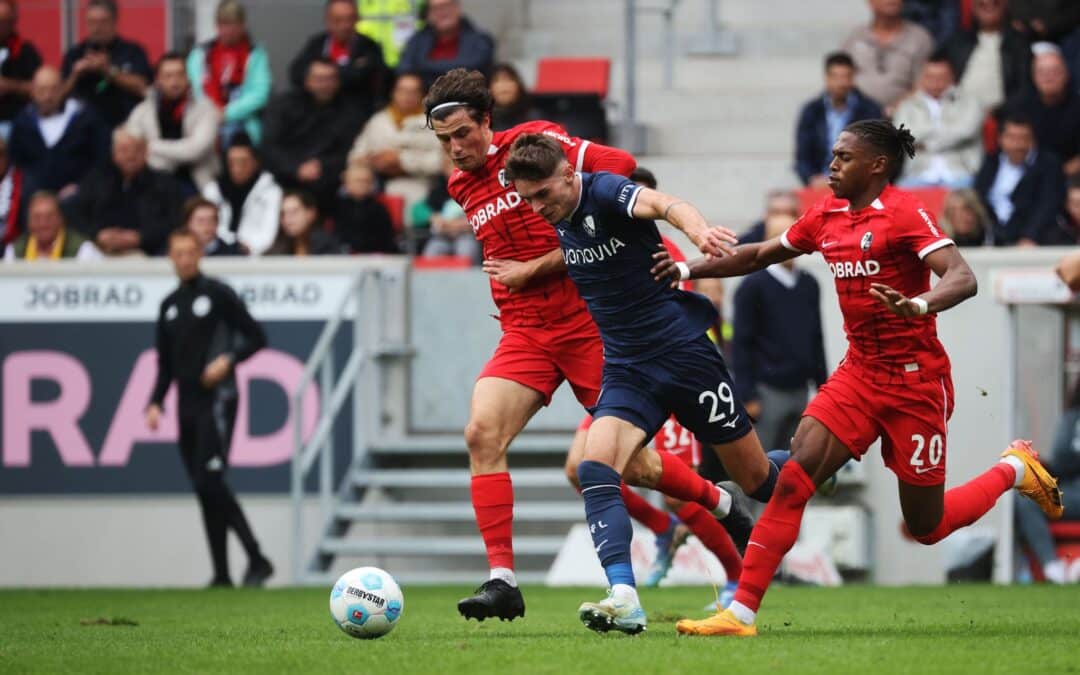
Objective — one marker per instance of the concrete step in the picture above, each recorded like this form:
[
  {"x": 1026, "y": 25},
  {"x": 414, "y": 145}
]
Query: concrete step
[
  {"x": 450, "y": 478},
  {"x": 435, "y": 546},
  {"x": 456, "y": 511}
]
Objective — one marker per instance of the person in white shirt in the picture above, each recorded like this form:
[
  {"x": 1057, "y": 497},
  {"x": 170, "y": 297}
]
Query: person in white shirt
[{"x": 947, "y": 123}]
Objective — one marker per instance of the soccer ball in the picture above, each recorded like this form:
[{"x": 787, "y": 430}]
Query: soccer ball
[{"x": 366, "y": 603}]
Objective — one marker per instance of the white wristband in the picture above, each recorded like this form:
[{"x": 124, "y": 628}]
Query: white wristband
[
  {"x": 684, "y": 270},
  {"x": 921, "y": 304}
]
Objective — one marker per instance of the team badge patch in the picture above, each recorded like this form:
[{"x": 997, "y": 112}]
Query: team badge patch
[
  {"x": 590, "y": 226},
  {"x": 867, "y": 240},
  {"x": 201, "y": 306},
  {"x": 502, "y": 178}
]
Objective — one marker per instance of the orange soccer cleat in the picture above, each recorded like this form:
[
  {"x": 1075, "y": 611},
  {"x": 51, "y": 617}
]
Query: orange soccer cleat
[{"x": 1038, "y": 485}]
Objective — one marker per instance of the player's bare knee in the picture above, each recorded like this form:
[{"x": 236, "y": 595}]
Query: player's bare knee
[
  {"x": 571, "y": 468},
  {"x": 484, "y": 441}
]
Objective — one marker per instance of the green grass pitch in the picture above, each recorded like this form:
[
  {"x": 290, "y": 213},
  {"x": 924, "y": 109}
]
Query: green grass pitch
[{"x": 856, "y": 629}]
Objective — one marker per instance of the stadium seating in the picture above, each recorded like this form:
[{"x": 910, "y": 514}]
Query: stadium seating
[
  {"x": 1067, "y": 538},
  {"x": 571, "y": 92}
]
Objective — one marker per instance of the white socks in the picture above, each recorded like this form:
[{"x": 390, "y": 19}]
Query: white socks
[
  {"x": 1018, "y": 465},
  {"x": 1054, "y": 571},
  {"x": 723, "y": 506},
  {"x": 742, "y": 612},
  {"x": 624, "y": 593},
  {"x": 504, "y": 573}
]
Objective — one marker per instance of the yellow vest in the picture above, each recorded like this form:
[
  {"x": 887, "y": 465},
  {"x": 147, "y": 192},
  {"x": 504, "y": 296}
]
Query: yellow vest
[{"x": 390, "y": 23}]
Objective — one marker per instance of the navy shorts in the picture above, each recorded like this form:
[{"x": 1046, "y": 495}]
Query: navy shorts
[{"x": 690, "y": 381}]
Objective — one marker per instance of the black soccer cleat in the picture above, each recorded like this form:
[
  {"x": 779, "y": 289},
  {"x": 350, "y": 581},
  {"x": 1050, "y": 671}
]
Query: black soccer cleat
[
  {"x": 258, "y": 571},
  {"x": 739, "y": 522},
  {"x": 494, "y": 598}
]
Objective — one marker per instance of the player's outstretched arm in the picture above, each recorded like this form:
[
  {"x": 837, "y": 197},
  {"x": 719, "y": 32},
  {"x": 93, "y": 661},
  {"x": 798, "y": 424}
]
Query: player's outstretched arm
[
  {"x": 712, "y": 241},
  {"x": 744, "y": 260},
  {"x": 957, "y": 284},
  {"x": 517, "y": 274}
]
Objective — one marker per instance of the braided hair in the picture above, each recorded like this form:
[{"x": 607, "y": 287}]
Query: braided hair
[{"x": 888, "y": 140}]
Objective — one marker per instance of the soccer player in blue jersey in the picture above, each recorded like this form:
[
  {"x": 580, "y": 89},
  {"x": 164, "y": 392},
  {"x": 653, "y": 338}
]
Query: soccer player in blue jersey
[{"x": 658, "y": 360}]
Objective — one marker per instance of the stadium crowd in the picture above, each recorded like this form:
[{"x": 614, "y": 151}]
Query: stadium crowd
[{"x": 340, "y": 161}]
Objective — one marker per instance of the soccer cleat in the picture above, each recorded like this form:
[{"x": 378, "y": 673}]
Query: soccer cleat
[
  {"x": 666, "y": 546},
  {"x": 220, "y": 582},
  {"x": 609, "y": 614},
  {"x": 723, "y": 623},
  {"x": 493, "y": 599},
  {"x": 258, "y": 571},
  {"x": 1038, "y": 485},
  {"x": 739, "y": 522}
]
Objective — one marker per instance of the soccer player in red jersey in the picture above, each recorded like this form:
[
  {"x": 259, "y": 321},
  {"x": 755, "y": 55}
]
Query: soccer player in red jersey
[
  {"x": 548, "y": 335},
  {"x": 894, "y": 383}
]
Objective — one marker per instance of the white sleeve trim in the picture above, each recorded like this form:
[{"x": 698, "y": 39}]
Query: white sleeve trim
[
  {"x": 633, "y": 200},
  {"x": 930, "y": 248},
  {"x": 788, "y": 245},
  {"x": 581, "y": 156}
]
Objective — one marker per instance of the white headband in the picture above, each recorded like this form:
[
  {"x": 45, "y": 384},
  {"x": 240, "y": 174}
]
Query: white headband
[{"x": 443, "y": 106}]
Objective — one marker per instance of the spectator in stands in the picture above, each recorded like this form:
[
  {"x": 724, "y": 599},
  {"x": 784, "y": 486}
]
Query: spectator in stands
[
  {"x": 48, "y": 237},
  {"x": 390, "y": 23},
  {"x": 947, "y": 124},
  {"x": 397, "y": 144},
  {"x": 1053, "y": 106},
  {"x": 359, "y": 58},
  {"x": 1066, "y": 229},
  {"x": 308, "y": 133},
  {"x": 125, "y": 206},
  {"x": 783, "y": 202},
  {"x": 233, "y": 72},
  {"x": 201, "y": 219},
  {"x": 512, "y": 104},
  {"x": 965, "y": 219},
  {"x": 940, "y": 18},
  {"x": 56, "y": 140},
  {"x": 181, "y": 131},
  {"x": 1045, "y": 19},
  {"x": 248, "y": 199},
  {"x": 301, "y": 230},
  {"x": 992, "y": 61},
  {"x": 825, "y": 116},
  {"x": 448, "y": 41},
  {"x": 1032, "y": 527},
  {"x": 888, "y": 53},
  {"x": 12, "y": 190},
  {"x": 451, "y": 234},
  {"x": 19, "y": 60},
  {"x": 778, "y": 350},
  {"x": 105, "y": 71},
  {"x": 361, "y": 222},
  {"x": 1021, "y": 186}
]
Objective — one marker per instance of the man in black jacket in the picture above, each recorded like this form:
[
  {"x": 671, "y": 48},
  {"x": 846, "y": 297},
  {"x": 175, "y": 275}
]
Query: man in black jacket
[
  {"x": 1052, "y": 105},
  {"x": 823, "y": 117},
  {"x": 358, "y": 57},
  {"x": 55, "y": 140},
  {"x": 999, "y": 55},
  {"x": 126, "y": 206},
  {"x": 203, "y": 331},
  {"x": 307, "y": 134},
  {"x": 20, "y": 61},
  {"x": 1022, "y": 187},
  {"x": 448, "y": 41}
]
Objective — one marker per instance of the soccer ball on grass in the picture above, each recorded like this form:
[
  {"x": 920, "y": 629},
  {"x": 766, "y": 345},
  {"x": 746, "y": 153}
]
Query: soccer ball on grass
[{"x": 366, "y": 603}]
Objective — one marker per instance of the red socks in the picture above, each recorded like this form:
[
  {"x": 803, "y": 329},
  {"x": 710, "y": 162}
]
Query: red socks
[
  {"x": 644, "y": 512},
  {"x": 774, "y": 534},
  {"x": 712, "y": 534},
  {"x": 678, "y": 480},
  {"x": 493, "y": 501},
  {"x": 967, "y": 503}
]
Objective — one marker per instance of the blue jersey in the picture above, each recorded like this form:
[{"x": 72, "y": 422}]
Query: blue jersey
[{"x": 608, "y": 255}]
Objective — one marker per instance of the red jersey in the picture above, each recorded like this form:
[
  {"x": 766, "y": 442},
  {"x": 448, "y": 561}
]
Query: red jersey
[
  {"x": 508, "y": 229},
  {"x": 883, "y": 243}
]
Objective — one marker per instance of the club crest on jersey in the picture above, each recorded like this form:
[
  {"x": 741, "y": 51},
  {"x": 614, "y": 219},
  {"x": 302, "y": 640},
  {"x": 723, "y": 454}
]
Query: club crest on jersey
[
  {"x": 867, "y": 240},
  {"x": 502, "y": 178},
  {"x": 590, "y": 226}
]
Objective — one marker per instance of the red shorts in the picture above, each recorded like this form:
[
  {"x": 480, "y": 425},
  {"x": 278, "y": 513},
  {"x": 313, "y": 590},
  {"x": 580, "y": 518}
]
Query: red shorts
[
  {"x": 673, "y": 438},
  {"x": 541, "y": 357},
  {"x": 910, "y": 418}
]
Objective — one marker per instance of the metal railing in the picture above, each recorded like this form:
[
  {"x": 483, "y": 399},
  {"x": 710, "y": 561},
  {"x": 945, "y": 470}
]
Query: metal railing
[{"x": 334, "y": 389}]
